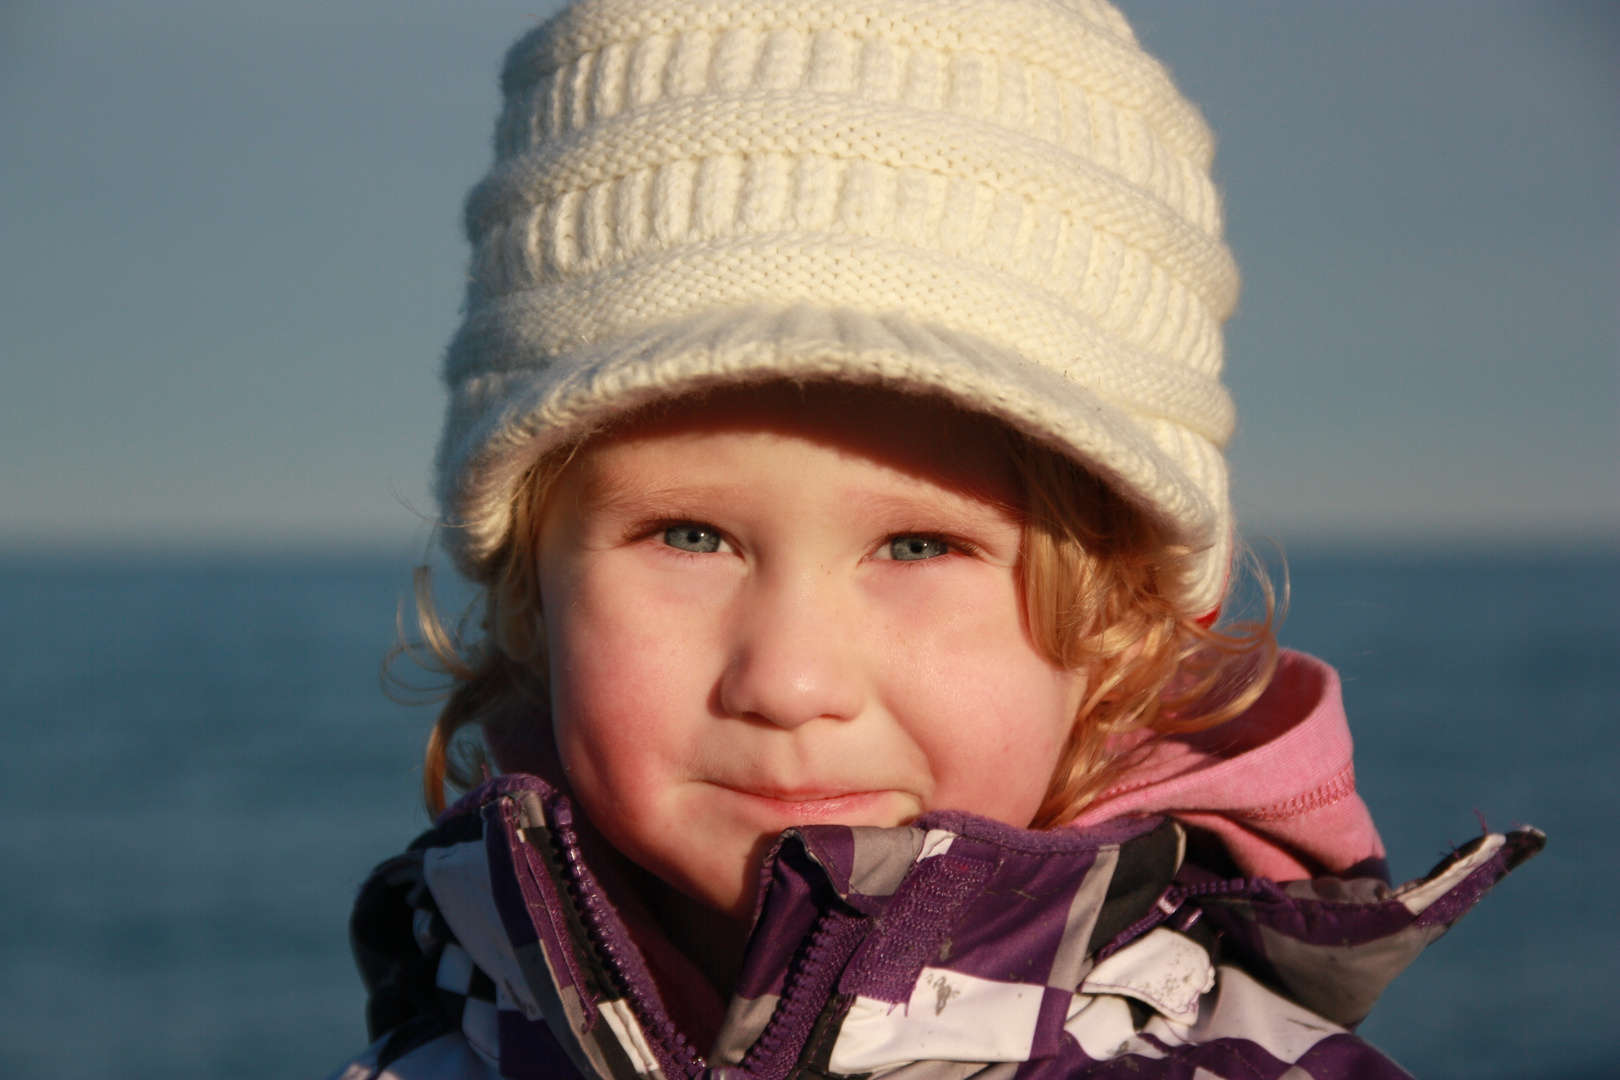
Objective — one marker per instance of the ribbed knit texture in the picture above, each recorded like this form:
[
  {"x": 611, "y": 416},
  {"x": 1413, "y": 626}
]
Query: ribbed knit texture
[{"x": 1005, "y": 202}]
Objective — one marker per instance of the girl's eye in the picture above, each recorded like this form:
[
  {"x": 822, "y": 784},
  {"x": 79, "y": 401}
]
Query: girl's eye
[
  {"x": 696, "y": 538},
  {"x": 912, "y": 548}
]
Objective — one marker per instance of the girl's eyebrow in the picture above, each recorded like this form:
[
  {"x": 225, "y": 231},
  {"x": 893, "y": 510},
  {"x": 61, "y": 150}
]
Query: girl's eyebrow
[
  {"x": 935, "y": 502},
  {"x": 624, "y": 490}
]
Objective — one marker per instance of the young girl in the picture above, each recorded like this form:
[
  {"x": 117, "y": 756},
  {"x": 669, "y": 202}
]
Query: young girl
[{"x": 836, "y": 435}]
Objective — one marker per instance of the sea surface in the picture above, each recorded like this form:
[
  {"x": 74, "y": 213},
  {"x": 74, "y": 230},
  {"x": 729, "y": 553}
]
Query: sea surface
[{"x": 198, "y": 765}]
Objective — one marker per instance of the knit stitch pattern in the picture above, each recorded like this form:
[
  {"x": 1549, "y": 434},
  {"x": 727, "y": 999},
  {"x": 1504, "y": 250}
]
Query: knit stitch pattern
[{"x": 1003, "y": 202}]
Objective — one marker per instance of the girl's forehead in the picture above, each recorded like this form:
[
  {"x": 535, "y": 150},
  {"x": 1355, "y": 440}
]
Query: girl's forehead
[{"x": 922, "y": 437}]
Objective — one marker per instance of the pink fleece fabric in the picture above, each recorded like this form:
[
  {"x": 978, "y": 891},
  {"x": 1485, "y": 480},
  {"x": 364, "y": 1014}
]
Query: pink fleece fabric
[{"x": 1276, "y": 784}]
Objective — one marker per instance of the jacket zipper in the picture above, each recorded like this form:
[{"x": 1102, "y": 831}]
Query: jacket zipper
[{"x": 810, "y": 980}]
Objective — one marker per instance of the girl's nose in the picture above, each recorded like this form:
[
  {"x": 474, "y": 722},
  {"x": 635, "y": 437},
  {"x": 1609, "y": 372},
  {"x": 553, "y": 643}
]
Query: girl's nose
[{"x": 792, "y": 659}]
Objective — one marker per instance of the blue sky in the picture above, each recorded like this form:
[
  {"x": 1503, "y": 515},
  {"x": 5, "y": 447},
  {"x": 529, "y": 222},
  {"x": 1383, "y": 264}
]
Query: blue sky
[{"x": 230, "y": 259}]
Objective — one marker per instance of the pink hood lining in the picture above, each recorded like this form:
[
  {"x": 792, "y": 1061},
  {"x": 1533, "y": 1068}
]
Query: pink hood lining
[{"x": 1276, "y": 784}]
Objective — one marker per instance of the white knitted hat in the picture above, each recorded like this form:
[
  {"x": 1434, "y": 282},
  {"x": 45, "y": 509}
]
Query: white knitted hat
[{"x": 1003, "y": 202}]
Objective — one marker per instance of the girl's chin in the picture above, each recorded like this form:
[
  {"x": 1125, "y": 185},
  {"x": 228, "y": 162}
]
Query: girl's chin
[{"x": 738, "y": 829}]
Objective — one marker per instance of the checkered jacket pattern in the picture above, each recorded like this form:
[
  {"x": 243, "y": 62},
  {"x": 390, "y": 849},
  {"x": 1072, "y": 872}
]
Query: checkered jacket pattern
[{"x": 952, "y": 948}]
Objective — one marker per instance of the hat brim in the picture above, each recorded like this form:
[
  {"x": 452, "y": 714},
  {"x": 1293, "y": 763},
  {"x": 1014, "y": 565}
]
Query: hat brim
[{"x": 503, "y": 419}]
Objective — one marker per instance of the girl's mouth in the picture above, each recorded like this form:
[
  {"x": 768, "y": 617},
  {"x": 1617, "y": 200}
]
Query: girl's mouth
[{"x": 820, "y": 806}]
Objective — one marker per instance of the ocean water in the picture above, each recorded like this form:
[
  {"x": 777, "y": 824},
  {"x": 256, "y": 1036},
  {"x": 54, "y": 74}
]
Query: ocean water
[{"x": 199, "y": 766}]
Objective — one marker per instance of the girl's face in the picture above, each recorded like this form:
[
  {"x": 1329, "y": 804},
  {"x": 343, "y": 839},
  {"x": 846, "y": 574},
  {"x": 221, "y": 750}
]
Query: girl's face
[{"x": 783, "y": 606}]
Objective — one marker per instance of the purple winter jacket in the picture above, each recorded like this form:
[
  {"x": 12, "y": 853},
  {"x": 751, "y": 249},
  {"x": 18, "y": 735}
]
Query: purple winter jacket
[{"x": 951, "y": 948}]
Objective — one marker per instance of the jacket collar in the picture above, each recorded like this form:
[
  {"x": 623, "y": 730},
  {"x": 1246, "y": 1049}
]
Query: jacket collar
[
  {"x": 888, "y": 935},
  {"x": 952, "y": 940}
]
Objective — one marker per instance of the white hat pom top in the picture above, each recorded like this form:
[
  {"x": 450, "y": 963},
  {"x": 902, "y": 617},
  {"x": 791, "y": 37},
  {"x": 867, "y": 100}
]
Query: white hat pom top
[{"x": 1004, "y": 202}]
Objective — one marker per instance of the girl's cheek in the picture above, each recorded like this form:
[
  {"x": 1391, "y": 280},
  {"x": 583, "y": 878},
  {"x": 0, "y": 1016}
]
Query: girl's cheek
[
  {"x": 970, "y": 618},
  {"x": 995, "y": 713},
  {"x": 628, "y": 664}
]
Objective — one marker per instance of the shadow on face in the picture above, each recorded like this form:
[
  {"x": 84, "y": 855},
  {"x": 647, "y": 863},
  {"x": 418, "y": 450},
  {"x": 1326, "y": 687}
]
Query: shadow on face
[{"x": 922, "y": 436}]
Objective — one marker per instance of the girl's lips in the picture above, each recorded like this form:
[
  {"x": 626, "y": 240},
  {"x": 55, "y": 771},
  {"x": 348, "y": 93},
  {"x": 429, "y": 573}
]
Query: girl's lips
[{"x": 822, "y": 807}]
